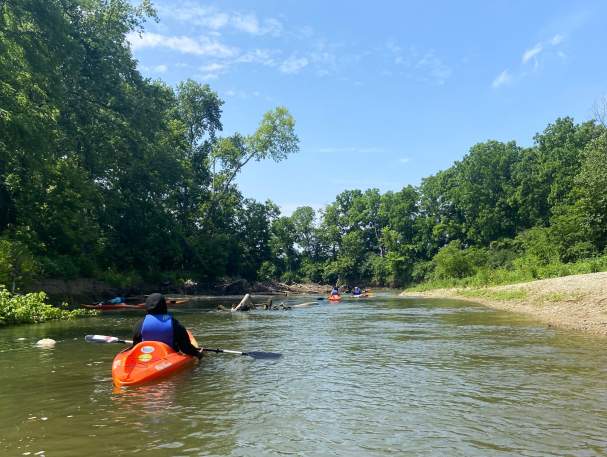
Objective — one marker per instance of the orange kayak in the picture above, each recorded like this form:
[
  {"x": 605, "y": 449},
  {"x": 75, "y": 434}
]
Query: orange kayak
[
  {"x": 334, "y": 298},
  {"x": 149, "y": 361}
]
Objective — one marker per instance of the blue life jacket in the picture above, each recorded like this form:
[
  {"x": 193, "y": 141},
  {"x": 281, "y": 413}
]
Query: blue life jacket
[
  {"x": 357, "y": 291},
  {"x": 158, "y": 327}
]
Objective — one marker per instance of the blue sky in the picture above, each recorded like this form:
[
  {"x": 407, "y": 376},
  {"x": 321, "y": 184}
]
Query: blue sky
[{"x": 386, "y": 92}]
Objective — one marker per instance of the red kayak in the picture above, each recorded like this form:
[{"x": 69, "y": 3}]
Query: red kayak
[
  {"x": 115, "y": 306},
  {"x": 335, "y": 298},
  {"x": 149, "y": 361}
]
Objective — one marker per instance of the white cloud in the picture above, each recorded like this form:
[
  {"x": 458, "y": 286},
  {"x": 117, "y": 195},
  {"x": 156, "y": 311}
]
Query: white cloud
[
  {"x": 156, "y": 69},
  {"x": 423, "y": 66},
  {"x": 215, "y": 19},
  {"x": 404, "y": 160},
  {"x": 557, "y": 39},
  {"x": 354, "y": 149},
  {"x": 246, "y": 23},
  {"x": 434, "y": 68},
  {"x": 260, "y": 56},
  {"x": 212, "y": 70},
  {"x": 209, "y": 76},
  {"x": 294, "y": 64},
  {"x": 503, "y": 78},
  {"x": 212, "y": 67},
  {"x": 287, "y": 209},
  {"x": 242, "y": 94},
  {"x": 186, "y": 45},
  {"x": 533, "y": 52}
]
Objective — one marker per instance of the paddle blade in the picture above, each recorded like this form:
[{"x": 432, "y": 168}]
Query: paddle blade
[
  {"x": 102, "y": 339},
  {"x": 264, "y": 355}
]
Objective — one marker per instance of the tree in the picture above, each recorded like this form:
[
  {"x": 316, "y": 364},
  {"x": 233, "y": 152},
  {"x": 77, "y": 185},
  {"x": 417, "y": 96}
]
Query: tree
[
  {"x": 305, "y": 230},
  {"x": 591, "y": 188}
]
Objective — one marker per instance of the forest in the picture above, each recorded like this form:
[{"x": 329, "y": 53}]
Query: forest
[{"x": 106, "y": 174}]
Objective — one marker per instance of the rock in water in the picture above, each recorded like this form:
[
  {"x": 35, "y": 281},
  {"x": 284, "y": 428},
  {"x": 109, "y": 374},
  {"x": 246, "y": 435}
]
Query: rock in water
[{"x": 46, "y": 343}]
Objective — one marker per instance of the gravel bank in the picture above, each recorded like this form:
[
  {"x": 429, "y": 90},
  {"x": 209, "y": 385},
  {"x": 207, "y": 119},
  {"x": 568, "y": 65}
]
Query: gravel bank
[{"x": 576, "y": 302}]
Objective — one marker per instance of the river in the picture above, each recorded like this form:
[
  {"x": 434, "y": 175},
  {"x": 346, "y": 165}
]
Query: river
[{"x": 383, "y": 376}]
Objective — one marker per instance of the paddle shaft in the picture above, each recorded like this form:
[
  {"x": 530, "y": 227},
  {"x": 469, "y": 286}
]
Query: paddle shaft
[{"x": 113, "y": 339}]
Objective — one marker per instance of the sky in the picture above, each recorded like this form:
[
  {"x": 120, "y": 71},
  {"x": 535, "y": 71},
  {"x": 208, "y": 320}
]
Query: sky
[{"x": 384, "y": 93}]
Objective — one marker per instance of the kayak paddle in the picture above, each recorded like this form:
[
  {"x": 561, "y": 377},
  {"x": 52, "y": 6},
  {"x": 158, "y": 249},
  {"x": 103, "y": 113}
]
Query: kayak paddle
[
  {"x": 105, "y": 339},
  {"x": 254, "y": 354}
]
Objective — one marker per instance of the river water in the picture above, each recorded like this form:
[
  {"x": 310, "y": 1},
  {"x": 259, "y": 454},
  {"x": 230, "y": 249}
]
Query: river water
[{"x": 383, "y": 376}]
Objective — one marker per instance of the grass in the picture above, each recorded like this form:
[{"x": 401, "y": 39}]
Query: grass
[
  {"x": 495, "y": 294},
  {"x": 555, "y": 297},
  {"x": 529, "y": 272}
]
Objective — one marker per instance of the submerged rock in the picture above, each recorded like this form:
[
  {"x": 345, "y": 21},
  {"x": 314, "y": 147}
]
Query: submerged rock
[{"x": 46, "y": 343}]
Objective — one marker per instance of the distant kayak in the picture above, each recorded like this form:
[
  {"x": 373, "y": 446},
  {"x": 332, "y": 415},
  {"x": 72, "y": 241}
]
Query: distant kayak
[
  {"x": 360, "y": 295},
  {"x": 334, "y": 298},
  {"x": 118, "y": 306},
  {"x": 149, "y": 361}
]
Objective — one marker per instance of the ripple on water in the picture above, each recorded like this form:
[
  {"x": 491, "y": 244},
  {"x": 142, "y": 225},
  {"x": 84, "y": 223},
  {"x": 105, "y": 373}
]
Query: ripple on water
[{"x": 387, "y": 376}]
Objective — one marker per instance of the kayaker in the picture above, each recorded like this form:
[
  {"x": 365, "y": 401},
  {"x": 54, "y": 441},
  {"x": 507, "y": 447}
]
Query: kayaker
[
  {"x": 113, "y": 301},
  {"x": 357, "y": 291},
  {"x": 159, "y": 325},
  {"x": 334, "y": 291}
]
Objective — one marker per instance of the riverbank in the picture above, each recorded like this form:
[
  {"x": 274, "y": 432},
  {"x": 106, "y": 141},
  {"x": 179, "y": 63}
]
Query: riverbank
[
  {"x": 84, "y": 290},
  {"x": 577, "y": 302}
]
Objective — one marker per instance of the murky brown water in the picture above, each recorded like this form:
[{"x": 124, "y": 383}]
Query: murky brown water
[{"x": 385, "y": 376}]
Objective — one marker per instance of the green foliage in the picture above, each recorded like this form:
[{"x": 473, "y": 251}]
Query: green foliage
[
  {"x": 17, "y": 265},
  {"x": 122, "y": 279},
  {"x": 591, "y": 185},
  {"x": 105, "y": 173},
  {"x": 109, "y": 172},
  {"x": 32, "y": 308},
  {"x": 515, "y": 294},
  {"x": 454, "y": 262},
  {"x": 267, "y": 271}
]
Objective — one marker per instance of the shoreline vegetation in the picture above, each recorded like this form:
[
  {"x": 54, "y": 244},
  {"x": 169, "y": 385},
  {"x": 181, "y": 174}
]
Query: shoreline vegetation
[
  {"x": 33, "y": 308},
  {"x": 576, "y": 302}
]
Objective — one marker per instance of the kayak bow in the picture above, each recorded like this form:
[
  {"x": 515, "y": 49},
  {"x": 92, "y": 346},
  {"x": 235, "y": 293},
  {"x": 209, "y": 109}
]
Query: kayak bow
[{"x": 148, "y": 361}]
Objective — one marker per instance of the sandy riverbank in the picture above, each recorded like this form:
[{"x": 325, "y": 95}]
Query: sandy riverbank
[{"x": 576, "y": 302}]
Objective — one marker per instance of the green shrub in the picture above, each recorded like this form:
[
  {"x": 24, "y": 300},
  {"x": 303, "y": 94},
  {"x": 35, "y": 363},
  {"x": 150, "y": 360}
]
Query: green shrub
[
  {"x": 32, "y": 308},
  {"x": 267, "y": 271},
  {"x": 61, "y": 266},
  {"x": 17, "y": 265},
  {"x": 422, "y": 271},
  {"x": 311, "y": 270},
  {"x": 120, "y": 279},
  {"x": 454, "y": 262}
]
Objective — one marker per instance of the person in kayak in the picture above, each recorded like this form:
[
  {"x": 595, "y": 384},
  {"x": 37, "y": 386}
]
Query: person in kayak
[
  {"x": 334, "y": 291},
  {"x": 357, "y": 291},
  {"x": 159, "y": 325},
  {"x": 113, "y": 301}
]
